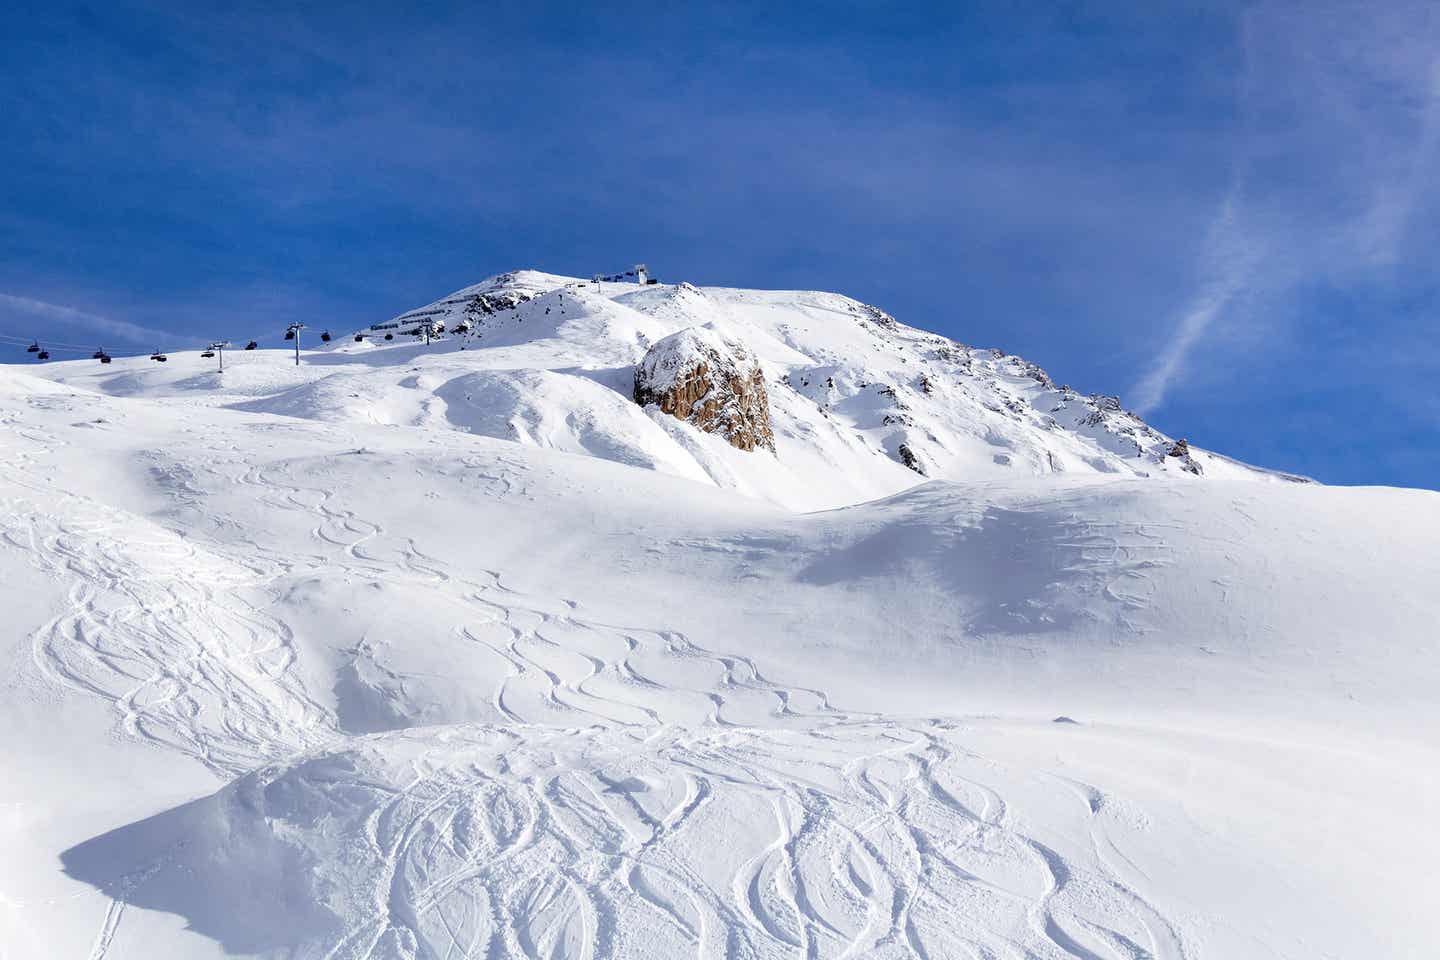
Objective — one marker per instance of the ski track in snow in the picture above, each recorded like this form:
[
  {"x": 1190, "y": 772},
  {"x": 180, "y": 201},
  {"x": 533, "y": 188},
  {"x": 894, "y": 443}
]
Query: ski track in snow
[{"x": 633, "y": 795}]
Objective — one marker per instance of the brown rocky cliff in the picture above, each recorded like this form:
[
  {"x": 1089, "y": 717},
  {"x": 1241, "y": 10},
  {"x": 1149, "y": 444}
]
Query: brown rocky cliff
[{"x": 710, "y": 381}]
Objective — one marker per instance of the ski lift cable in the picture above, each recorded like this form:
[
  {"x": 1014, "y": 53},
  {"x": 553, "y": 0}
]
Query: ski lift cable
[
  {"x": 51, "y": 347},
  {"x": 185, "y": 342},
  {"x": 54, "y": 347},
  {"x": 48, "y": 344}
]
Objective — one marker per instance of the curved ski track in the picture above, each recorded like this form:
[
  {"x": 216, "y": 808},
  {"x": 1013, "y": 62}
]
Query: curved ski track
[{"x": 633, "y": 795}]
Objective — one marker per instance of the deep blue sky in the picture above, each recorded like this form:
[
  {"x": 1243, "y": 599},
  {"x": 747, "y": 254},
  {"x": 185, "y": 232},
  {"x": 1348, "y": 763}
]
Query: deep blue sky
[{"x": 1227, "y": 214}]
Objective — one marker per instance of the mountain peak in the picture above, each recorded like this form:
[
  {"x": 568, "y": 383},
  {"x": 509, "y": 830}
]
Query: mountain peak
[
  {"x": 850, "y": 385},
  {"x": 859, "y": 404}
]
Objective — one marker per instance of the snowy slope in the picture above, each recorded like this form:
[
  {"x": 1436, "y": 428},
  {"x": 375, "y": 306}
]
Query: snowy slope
[
  {"x": 862, "y": 406},
  {"x": 406, "y": 653}
]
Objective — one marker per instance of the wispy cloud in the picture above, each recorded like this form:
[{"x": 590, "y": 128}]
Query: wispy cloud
[
  {"x": 1229, "y": 254},
  {"x": 1232, "y": 258},
  {"x": 1396, "y": 199},
  {"x": 70, "y": 316},
  {"x": 1334, "y": 160}
]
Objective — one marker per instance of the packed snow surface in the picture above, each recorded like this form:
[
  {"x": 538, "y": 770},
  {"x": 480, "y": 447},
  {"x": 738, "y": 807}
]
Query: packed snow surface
[{"x": 455, "y": 651}]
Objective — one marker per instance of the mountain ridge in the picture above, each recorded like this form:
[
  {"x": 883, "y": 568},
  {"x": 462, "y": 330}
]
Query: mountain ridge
[
  {"x": 860, "y": 404},
  {"x": 939, "y": 362}
]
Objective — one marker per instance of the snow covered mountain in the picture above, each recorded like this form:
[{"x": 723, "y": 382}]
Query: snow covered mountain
[
  {"x": 850, "y": 387},
  {"x": 861, "y": 405},
  {"x": 456, "y": 650}
]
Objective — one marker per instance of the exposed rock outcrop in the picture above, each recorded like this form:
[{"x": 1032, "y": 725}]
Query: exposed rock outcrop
[
  {"x": 908, "y": 457},
  {"x": 486, "y": 304},
  {"x": 711, "y": 381},
  {"x": 1181, "y": 452}
]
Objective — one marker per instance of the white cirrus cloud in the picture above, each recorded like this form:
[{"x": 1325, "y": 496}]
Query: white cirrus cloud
[
  {"x": 80, "y": 318},
  {"x": 1335, "y": 153}
]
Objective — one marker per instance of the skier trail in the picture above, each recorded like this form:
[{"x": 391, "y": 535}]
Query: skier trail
[{"x": 598, "y": 817}]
